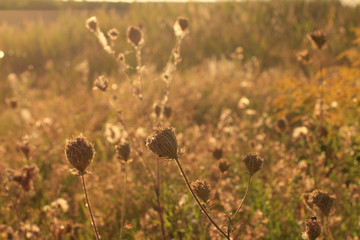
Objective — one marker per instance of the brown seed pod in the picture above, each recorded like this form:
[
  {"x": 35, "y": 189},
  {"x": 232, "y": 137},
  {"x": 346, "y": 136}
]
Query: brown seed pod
[
  {"x": 201, "y": 190},
  {"x": 92, "y": 24},
  {"x": 79, "y": 152},
  {"x": 217, "y": 153},
  {"x": 163, "y": 143},
  {"x": 224, "y": 165},
  {"x": 318, "y": 38},
  {"x": 123, "y": 151},
  {"x": 323, "y": 201},
  {"x": 253, "y": 163},
  {"x": 134, "y": 36},
  {"x": 313, "y": 228}
]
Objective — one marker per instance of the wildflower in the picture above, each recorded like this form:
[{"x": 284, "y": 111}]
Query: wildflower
[
  {"x": 163, "y": 143},
  {"x": 253, "y": 163},
  {"x": 123, "y": 151},
  {"x": 134, "y": 36},
  {"x": 79, "y": 152},
  {"x": 299, "y": 131},
  {"x": 201, "y": 190}
]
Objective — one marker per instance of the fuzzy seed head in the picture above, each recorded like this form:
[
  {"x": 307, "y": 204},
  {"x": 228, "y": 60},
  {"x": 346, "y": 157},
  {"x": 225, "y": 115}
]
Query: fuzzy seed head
[
  {"x": 123, "y": 151},
  {"x": 313, "y": 228},
  {"x": 318, "y": 38},
  {"x": 163, "y": 143},
  {"x": 79, "y": 152},
  {"x": 201, "y": 190},
  {"x": 92, "y": 24},
  {"x": 253, "y": 163},
  {"x": 323, "y": 201},
  {"x": 134, "y": 36}
]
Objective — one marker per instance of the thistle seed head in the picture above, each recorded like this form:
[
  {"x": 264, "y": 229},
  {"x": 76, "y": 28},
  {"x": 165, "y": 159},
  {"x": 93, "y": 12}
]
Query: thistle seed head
[
  {"x": 253, "y": 163},
  {"x": 92, "y": 24},
  {"x": 318, "y": 38},
  {"x": 134, "y": 36},
  {"x": 79, "y": 152},
  {"x": 313, "y": 228},
  {"x": 163, "y": 143},
  {"x": 123, "y": 151},
  {"x": 201, "y": 190}
]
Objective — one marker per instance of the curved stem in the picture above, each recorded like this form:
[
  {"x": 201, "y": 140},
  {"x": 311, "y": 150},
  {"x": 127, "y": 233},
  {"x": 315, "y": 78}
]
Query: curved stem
[
  {"x": 89, "y": 207},
  {"x": 243, "y": 199},
  {"x": 123, "y": 203},
  {"x": 198, "y": 201}
]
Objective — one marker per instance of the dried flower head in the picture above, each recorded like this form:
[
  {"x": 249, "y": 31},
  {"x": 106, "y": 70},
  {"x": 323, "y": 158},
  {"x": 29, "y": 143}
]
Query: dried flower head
[
  {"x": 224, "y": 165},
  {"x": 217, "y": 153},
  {"x": 134, "y": 36},
  {"x": 323, "y": 201},
  {"x": 281, "y": 124},
  {"x": 113, "y": 34},
  {"x": 123, "y": 151},
  {"x": 201, "y": 190},
  {"x": 181, "y": 27},
  {"x": 25, "y": 177},
  {"x": 253, "y": 163},
  {"x": 12, "y": 102},
  {"x": 101, "y": 83},
  {"x": 79, "y": 152},
  {"x": 318, "y": 38},
  {"x": 163, "y": 143},
  {"x": 92, "y": 24},
  {"x": 313, "y": 228}
]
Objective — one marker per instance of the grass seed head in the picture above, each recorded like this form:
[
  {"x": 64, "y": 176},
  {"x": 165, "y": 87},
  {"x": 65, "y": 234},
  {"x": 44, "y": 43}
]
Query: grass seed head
[
  {"x": 92, "y": 24},
  {"x": 318, "y": 38},
  {"x": 253, "y": 163},
  {"x": 134, "y": 36},
  {"x": 79, "y": 152},
  {"x": 313, "y": 228},
  {"x": 163, "y": 143},
  {"x": 123, "y": 151},
  {"x": 201, "y": 190}
]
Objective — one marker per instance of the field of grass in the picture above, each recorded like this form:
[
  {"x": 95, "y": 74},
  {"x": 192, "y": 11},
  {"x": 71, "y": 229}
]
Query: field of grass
[{"x": 240, "y": 78}]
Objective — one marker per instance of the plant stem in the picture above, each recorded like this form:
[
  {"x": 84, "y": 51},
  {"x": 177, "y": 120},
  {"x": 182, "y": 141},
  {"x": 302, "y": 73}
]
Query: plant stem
[
  {"x": 89, "y": 207},
  {"x": 198, "y": 201},
  {"x": 328, "y": 228},
  {"x": 243, "y": 199},
  {"x": 160, "y": 210},
  {"x": 123, "y": 202}
]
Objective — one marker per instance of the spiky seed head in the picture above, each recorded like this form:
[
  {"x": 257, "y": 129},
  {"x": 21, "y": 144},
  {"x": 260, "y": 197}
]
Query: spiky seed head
[
  {"x": 323, "y": 201},
  {"x": 113, "y": 34},
  {"x": 123, "y": 151},
  {"x": 318, "y": 38},
  {"x": 79, "y": 152},
  {"x": 253, "y": 163},
  {"x": 163, "y": 143},
  {"x": 181, "y": 26},
  {"x": 167, "y": 111},
  {"x": 201, "y": 190},
  {"x": 101, "y": 83},
  {"x": 313, "y": 228},
  {"x": 92, "y": 24},
  {"x": 224, "y": 165},
  {"x": 134, "y": 36},
  {"x": 217, "y": 153}
]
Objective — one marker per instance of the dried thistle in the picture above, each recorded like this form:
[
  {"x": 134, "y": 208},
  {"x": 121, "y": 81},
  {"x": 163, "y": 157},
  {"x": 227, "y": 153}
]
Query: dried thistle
[
  {"x": 25, "y": 177},
  {"x": 163, "y": 143},
  {"x": 134, "y": 36},
  {"x": 224, "y": 165},
  {"x": 201, "y": 190},
  {"x": 181, "y": 27},
  {"x": 318, "y": 38},
  {"x": 101, "y": 83},
  {"x": 113, "y": 34},
  {"x": 313, "y": 228},
  {"x": 92, "y": 24},
  {"x": 123, "y": 151},
  {"x": 253, "y": 163},
  {"x": 79, "y": 152},
  {"x": 323, "y": 201},
  {"x": 217, "y": 153}
]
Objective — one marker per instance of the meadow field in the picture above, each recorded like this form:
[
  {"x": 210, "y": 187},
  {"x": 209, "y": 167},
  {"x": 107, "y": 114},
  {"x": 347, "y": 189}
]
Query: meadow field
[{"x": 189, "y": 121}]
